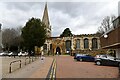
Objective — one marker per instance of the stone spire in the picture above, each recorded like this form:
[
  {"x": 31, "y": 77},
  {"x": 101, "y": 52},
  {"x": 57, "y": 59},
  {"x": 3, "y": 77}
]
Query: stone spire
[{"x": 46, "y": 21}]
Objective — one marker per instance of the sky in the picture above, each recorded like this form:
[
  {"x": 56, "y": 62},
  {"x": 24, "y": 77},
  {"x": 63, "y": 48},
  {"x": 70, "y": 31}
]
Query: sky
[{"x": 82, "y": 17}]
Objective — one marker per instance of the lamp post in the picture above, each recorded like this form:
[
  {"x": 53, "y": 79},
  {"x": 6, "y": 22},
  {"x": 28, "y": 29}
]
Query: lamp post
[
  {"x": 71, "y": 37},
  {"x": 1, "y": 46},
  {"x": 48, "y": 48}
]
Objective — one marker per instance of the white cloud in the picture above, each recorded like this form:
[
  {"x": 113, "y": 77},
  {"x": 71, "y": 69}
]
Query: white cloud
[{"x": 81, "y": 18}]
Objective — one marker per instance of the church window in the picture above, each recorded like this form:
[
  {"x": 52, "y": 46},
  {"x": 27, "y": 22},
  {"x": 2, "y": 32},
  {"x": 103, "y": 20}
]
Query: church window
[
  {"x": 86, "y": 43},
  {"x": 78, "y": 44},
  {"x": 94, "y": 43}
]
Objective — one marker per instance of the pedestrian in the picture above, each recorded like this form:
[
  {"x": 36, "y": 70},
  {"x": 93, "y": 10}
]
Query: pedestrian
[
  {"x": 57, "y": 53},
  {"x": 42, "y": 57}
]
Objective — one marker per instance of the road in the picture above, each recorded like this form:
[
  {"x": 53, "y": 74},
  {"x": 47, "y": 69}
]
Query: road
[{"x": 67, "y": 67}]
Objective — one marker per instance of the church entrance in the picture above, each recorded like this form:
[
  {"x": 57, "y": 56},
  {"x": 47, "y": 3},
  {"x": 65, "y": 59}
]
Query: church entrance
[{"x": 58, "y": 50}]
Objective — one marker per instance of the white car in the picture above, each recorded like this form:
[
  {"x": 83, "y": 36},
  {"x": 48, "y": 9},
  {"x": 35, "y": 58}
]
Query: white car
[
  {"x": 10, "y": 54},
  {"x": 23, "y": 54},
  {"x": 3, "y": 54},
  {"x": 20, "y": 54}
]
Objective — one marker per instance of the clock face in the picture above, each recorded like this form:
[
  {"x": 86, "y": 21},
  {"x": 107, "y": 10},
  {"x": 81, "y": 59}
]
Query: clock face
[{"x": 105, "y": 36}]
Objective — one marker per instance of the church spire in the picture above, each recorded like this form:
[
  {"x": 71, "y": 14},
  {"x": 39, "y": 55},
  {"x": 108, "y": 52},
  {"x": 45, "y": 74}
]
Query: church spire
[
  {"x": 45, "y": 18},
  {"x": 46, "y": 21}
]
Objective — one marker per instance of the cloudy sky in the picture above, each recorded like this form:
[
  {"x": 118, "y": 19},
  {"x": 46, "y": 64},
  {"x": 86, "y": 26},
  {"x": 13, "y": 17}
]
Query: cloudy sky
[{"x": 81, "y": 17}]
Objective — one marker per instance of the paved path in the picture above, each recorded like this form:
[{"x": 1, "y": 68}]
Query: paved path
[
  {"x": 67, "y": 67},
  {"x": 37, "y": 69},
  {"x": 0, "y": 68}
]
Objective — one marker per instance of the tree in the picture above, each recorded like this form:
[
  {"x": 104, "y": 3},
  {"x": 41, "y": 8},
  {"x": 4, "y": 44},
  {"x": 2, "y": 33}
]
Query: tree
[
  {"x": 9, "y": 37},
  {"x": 33, "y": 34},
  {"x": 66, "y": 33},
  {"x": 106, "y": 24}
]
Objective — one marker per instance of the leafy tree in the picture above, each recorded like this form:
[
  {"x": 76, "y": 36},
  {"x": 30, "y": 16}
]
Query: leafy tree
[
  {"x": 66, "y": 33},
  {"x": 33, "y": 34}
]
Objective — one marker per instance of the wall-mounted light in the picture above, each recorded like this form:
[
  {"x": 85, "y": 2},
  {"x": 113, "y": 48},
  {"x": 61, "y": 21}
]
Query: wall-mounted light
[{"x": 105, "y": 36}]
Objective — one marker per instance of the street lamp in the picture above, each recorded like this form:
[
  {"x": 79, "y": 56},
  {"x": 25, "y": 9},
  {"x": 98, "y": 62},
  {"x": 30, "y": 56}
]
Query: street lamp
[
  {"x": 48, "y": 48},
  {"x": 0, "y": 26}
]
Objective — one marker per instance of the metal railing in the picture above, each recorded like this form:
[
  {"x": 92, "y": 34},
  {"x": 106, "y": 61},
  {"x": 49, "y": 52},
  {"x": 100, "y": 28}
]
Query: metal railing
[
  {"x": 29, "y": 59},
  {"x": 52, "y": 72},
  {"x": 11, "y": 65}
]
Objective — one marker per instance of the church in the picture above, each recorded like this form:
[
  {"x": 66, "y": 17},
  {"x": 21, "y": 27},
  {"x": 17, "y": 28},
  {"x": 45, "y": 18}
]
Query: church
[{"x": 83, "y": 43}]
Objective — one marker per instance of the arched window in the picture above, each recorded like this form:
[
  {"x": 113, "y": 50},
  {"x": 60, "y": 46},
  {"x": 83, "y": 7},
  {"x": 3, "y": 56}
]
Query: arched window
[
  {"x": 78, "y": 44},
  {"x": 68, "y": 45},
  {"x": 94, "y": 43},
  {"x": 86, "y": 43}
]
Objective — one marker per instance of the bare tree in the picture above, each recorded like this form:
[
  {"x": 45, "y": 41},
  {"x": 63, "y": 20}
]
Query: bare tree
[
  {"x": 106, "y": 24},
  {"x": 11, "y": 37}
]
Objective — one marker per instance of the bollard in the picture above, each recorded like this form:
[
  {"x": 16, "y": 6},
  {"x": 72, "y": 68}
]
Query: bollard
[
  {"x": 32, "y": 58},
  {"x": 26, "y": 60},
  {"x": 29, "y": 59},
  {"x": 20, "y": 63},
  {"x": 10, "y": 69}
]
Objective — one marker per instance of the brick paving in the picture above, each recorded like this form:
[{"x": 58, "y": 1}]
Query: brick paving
[
  {"x": 67, "y": 67},
  {"x": 37, "y": 69}
]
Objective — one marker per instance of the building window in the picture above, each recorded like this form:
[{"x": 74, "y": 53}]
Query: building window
[
  {"x": 86, "y": 43},
  {"x": 45, "y": 46},
  {"x": 68, "y": 45},
  {"x": 94, "y": 43},
  {"x": 78, "y": 44}
]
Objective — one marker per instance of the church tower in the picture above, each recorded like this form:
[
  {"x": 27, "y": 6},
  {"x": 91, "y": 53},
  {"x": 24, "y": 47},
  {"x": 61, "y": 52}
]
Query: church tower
[{"x": 46, "y": 21}]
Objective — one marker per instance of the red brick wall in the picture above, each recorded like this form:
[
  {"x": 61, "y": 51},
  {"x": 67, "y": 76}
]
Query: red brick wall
[{"x": 113, "y": 37}]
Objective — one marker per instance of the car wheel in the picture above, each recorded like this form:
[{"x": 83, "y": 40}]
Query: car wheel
[
  {"x": 98, "y": 63},
  {"x": 81, "y": 59}
]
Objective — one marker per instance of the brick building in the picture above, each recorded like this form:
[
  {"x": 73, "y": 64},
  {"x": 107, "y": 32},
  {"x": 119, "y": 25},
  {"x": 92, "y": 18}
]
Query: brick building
[{"x": 111, "y": 39}]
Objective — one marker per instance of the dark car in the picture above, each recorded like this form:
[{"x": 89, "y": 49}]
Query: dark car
[
  {"x": 85, "y": 58},
  {"x": 107, "y": 60},
  {"x": 77, "y": 55}
]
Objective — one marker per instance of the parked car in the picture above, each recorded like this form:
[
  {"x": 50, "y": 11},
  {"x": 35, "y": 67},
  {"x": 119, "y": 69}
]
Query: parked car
[
  {"x": 85, "y": 57},
  {"x": 23, "y": 54},
  {"x": 77, "y": 54},
  {"x": 3, "y": 54},
  {"x": 107, "y": 60},
  {"x": 12, "y": 54}
]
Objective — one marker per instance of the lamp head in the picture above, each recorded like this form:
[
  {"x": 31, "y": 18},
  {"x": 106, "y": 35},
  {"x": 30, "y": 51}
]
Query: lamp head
[{"x": 105, "y": 36}]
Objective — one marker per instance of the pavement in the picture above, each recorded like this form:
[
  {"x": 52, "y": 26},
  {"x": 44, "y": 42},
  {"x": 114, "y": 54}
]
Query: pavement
[
  {"x": 0, "y": 68},
  {"x": 67, "y": 67},
  {"x": 37, "y": 69}
]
